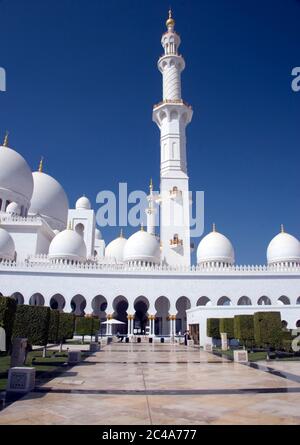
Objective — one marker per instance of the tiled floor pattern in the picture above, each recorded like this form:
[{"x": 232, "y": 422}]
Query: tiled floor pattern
[{"x": 162, "y": 384}]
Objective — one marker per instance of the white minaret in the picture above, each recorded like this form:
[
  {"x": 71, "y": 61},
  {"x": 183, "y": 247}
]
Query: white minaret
[{"x": 172, "y": 115}]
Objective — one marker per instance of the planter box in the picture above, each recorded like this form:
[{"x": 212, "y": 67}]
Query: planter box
[
  {"x": 21, "y": 379},
  {"x": 240, "y": 356},
  {"x": 74, "y": 357}
]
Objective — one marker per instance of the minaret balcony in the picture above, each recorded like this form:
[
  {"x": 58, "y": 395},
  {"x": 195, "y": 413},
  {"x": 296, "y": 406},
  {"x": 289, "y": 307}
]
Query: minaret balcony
[{"x": 176, "y": 243}]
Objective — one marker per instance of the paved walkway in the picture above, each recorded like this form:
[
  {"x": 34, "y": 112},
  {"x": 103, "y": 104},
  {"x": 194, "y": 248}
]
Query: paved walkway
[{"x": 162, "y": 384}]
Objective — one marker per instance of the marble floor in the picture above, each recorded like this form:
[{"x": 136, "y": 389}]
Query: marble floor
[{"x": 156, "y": 384}]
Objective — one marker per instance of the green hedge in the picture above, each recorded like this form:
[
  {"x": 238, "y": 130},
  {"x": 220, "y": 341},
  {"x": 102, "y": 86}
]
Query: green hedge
[
  {"x": 244, "y": 329},
  {"x": 8, "y": 307},
  {"x": 87, "y": 325},
  {"x": 227, "y": 325},
  {"x": 32, "y": 322},
  {"x": 53, "y": 326},
  {"x": 213, "y": 327},
  {"x": 66, "y": 327},
  {"x": 268, "y": 329}
]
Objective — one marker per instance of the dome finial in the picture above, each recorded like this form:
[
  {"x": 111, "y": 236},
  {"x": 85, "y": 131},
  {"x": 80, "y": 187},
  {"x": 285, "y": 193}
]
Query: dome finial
[
  {"x": 170, "y": 23},
  {"x": 282, "y": 228},
  {"x": 41, "y": 165},
  {"x": 5, "y": 142},
  {"x": 151, "y": 185},
  {"x": 121, "y": 233},
  {"x": 214, "y": 227}
]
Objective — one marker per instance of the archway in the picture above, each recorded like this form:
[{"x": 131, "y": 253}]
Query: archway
[
  {"x": 57, "y": 302},
  {"x": 244, "y": 301},
  {"x": 99, "y": 305},
  {"x": 284, "y": 324},
  {"x": 120, "y": 305},
  {"x": 298, "y": 324},
  {"x": 298, "y": 300},
  {"x": 182, "y": 305},
  {"x": 37, "y": 300},
  {"x": 141, "y": 306},
  {"x": 283, "y": 300},
  {"x": 18, "y": 297},
  {"x": 162, "y": 323},
  {"x": 78, "y": 304},
  {"x": 79, "y": 228},
  {"x": 224, "y": 301},
  {"x": 262, "y": 301},
  {"x": 203, "y": 301}
]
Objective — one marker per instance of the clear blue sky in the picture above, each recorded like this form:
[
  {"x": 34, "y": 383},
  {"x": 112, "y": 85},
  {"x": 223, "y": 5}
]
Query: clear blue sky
[{"x": 82, "y": 79}]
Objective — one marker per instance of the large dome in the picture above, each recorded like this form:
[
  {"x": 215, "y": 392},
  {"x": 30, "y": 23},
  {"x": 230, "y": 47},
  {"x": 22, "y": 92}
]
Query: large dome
[
  {"x": 283, "y": 248},
  {"x": 68, "y": 245},
  {"x": 16, "y": 182},
  {"x": 115, "y": 249},
  {"x": 49, "y": 200},
  {"x": 142, "y": 246},
  {"x": 215, "y": 247},
  {"x": 7, "y": 246}
]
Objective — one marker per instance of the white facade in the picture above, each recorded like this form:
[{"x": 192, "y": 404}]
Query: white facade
[{"x": 53, "y": 255}]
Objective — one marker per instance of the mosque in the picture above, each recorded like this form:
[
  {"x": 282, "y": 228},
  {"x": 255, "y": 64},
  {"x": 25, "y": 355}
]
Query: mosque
[{"x": 55, "y": 256}]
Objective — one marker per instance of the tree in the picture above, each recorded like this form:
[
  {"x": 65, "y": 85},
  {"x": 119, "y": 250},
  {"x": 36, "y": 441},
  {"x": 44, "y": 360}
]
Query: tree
[
  {"x": 8, "y": 307},
  {"x": 244, "y": 330}
]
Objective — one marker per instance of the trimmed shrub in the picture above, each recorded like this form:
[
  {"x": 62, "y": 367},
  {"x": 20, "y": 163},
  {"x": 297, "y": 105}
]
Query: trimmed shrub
[
  {"x": 87, "y": 326},
  {"x": 96, "y": 325},
  {"x": 53, "y": 326},
  {"x": 65, "y": 327},
  {"x": 244, "y": 330},
  {"x": 268, "y": 329},
  {"x": 8, "y": 307},
  {"x": 32, "y": 322},
  {"x": 227, "y": 325},
  {"x": 213, "y": 327}
]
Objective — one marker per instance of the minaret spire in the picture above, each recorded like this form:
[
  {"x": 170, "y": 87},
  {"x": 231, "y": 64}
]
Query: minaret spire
[
  {"x": 41, "y": 165},
  {"x": 5, "y": 142}
]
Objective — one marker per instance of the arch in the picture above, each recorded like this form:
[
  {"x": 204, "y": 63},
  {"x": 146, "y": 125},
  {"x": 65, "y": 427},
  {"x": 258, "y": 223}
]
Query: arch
[
  {"x": 298, "y": 300},
  {"x": 262, "y": 301},
  {"x": 78, "y": 304},
  {"x": 79, "y": 228},
  {"x": 283, "y": 300},
  {"x": 244, "y": 301},
  {"x": 203, "y": 301},
  {"x": 298, "y": 324},
  {"x": 57, "y": 301},
  {"x": 182, "y": 305},
  {"x": 284, "y": 324},
  {"x": 173, "y": 115},
  {"x": 120, "y": 305},
  {"x": 162, "y": 306},
  {"x": 37, "y": 300},
  {"x": 18, "y": 297},
  {"x": 99, "y": 305},
  {"x": 141, "y": 306},
  {"x": 224, "y": 301}
]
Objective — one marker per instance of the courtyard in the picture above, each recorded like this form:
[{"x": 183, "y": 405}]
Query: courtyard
[{"x": 152, "y": 384}]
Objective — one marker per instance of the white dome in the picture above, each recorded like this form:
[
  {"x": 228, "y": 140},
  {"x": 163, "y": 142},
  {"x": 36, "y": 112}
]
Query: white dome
[
  {"x": 98, "y": 234},
  {"x": 83, "y": 203},
  {"x": 49, "y": 200},
  {"x": 283, "y": 248},
  {"x": 68, "y": 245},
  {"x": 215, "y": 247},
  {"x": 13, "y": 208},
  {"x": 115, "y": 249},
  {"x": 7, "y": 246},
  {"x": 15, "y": 176},
  {"x": 142, "y": 246}
]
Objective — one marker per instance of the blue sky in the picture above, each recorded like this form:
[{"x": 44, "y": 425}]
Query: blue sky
[{"x": 82, "y": 79}]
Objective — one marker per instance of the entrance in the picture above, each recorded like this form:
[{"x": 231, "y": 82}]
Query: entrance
[{"x": 194, "y": 333}]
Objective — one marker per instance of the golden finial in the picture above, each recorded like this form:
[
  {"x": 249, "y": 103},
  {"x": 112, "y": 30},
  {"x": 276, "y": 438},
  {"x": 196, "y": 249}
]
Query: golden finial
[
  {"x": 214, "y": 227},
  {"x": 41, "y": 165},
  {"x": 142, "y": 227},
  {"x": 170, "y": 22},
  {"x": 121, "y": 233},
  {"x": 5, "y": 142},
  {"x": 151, "y": 185},
  {"x": 281, "y": 228}
]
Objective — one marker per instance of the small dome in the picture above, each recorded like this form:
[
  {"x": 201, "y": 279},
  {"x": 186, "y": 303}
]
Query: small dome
[
  {"x": 215, "y": 247},
  {"x": 115, "y": 249},
  {"x": 16, "y": 180},
  {"x": 49, "y": 200},
  {"x": 98, "y": 234},
  {"x": 13, "y": 208},
  {"x": 142, "y": 246},
  {"x": 7, "y": 246},
  {"x": 83, "y": 203},
  {"x": 283, "y": 248},
  {"x": 68, "y": 245}
]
